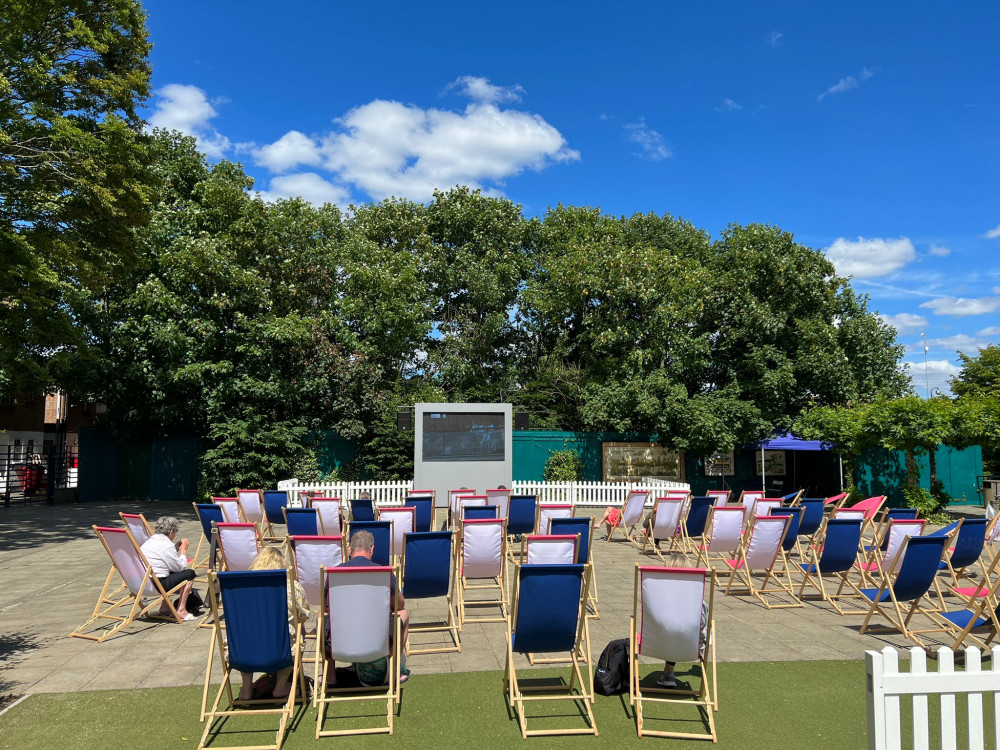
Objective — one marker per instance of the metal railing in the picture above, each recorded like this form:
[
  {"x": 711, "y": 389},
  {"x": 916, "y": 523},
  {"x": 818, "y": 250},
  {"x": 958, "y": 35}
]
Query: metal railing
[{"x": 34, "y": 477}]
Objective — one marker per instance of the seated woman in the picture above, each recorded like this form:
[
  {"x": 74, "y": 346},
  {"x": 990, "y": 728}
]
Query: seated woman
[
  {"x": 167, "y": 559},
  {"x": 611, "y": 517},
  {"x": 273, "y": 558}
]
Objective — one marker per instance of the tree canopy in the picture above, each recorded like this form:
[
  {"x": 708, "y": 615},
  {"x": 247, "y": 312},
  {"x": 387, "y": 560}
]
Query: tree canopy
[{"x": 73, "y": 172}]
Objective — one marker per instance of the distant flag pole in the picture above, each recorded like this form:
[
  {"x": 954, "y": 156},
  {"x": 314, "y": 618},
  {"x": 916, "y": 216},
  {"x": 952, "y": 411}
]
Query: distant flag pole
[{"x": 927, "y": 379}]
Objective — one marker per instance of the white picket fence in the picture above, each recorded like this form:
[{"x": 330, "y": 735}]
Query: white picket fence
[
  {"x": 886, "y": 685},
  {"x": 579, "y": 493}
]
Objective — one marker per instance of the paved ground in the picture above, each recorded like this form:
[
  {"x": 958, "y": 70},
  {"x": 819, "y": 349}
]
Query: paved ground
[{"x": 52, "y": 567}]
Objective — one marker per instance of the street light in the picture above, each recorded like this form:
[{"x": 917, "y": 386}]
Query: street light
[{"x": 927, "y": 377}]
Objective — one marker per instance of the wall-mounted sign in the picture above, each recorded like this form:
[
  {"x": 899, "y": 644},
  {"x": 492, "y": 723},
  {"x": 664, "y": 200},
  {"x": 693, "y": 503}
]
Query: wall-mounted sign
[
  {"x": 629, "y": 462},
  {"x": 721, "y": 465},
  {"x": 774, "y": 462}
]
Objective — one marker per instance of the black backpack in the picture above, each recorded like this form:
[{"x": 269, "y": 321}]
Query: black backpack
[{"x": 611, "y": 677}]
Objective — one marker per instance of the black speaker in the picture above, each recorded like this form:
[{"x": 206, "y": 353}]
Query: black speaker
[
  {"x": 404, "y": 420},
  {"x": 521, "y": 420}
]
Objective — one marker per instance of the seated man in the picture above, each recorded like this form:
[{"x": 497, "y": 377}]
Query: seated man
[
  {"x": 168, "y": 561},
  {"x": 373, "y": 673}
]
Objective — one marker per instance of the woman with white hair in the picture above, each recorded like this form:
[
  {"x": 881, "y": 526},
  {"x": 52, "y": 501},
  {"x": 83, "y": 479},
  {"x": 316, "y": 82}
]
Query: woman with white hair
[{"x": 168, "y": 560}]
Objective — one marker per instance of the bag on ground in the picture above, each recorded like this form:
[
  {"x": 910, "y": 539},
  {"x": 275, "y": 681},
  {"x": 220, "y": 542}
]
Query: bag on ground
[{"x": 611, "y": 676}]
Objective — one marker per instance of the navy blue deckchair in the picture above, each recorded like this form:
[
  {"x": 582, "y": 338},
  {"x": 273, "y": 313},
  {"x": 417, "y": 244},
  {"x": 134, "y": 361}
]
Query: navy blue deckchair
[
  {"x": 914, "y": 578},
  {"x": 427, "y": 567},
  {"x": 812, "y": 515},
  {"x": 583, "y": 529},
  {"x": 521, "y": 514},
  {"x": 208, "y": 514},
  {"x": 548, "y": 617},
  {"x": 302, "y": 521},
  {"x": 697, "y": 517},
  {"x": 381, "y": 531},
  {"x": 474, "y": 512},
  {"x": 255, "y": 638},
  {"x": 832, "y": 553},
  {"x": 274, "y": 504},
  {"x": 424, "y": 511},
  {"x": 362, "y": 509}
]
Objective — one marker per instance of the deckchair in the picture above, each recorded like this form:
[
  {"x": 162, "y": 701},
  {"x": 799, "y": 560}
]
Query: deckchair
[
  {"x": 748, "y": 499},
  {"x": 501, "y": 498},
  {"x": 362, "y": 509},
  {"x": 725, "y": 534},
  {"x": 310, "y": 555},
  {"x": 583, "y": 528},
  {"x": 521, "y": 514},
  {"x": 381, "y": 532},
  {"x": 760, "y": 551},
  {"x": 137, "y": 524},
  {"x": 473, "y": 512},
  {"x": 230, "y": 509},
  {"x": 483, "y": 560},
  {"x": 979, "y": 611},
  {"x": 665, "y": 524},
  {"x": 301, "y": 521},
  {"x": 548, "y": 511},
  {"x": 427, "y": 565},
  {"x": 833, "y": 550},
  {"x": 252, "y": 505},
  {"x": 881, "y": 537},
  {"x": 871, "y": 506},
  {"x": 403, "y": 520},
  {"x": 274, "y": 502},
  {"x": 630, "y": 516},
  {"x": 424, "y": 507},
  {"x": 209, "y": 514},
  {"x": 138, "y": 585},
  {"x": 238, "y": 545},
  {"x": 696, "y": 522},
  {"x": 668, "y": 618},
  {"x": 254, "y": 638},
  {"x": 720, "y": 497},
  {"x": 812, "y": 515},
  {"x": 887, "y": 560},
  {"x": 550, "y": 549},
  {"x": 331, "y": 517},
  {"x": 970, "y": 540},
  {"x": 792, "y": 498},
  {"x": 466, "y": 501},
  {"x": 359, "y": 617},
  {"x": 548, "y": 617},
  {"x": 763, "y": 507},
  {"x": 790, "y": 541},
  {"x": 453, "y": 510},
  {"x": 919, "y": 557},
  {"x": 836, "y": 501}
]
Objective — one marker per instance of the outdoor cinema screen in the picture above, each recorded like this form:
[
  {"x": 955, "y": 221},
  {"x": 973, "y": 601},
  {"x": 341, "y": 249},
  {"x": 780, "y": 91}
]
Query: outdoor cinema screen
[{"x": 463, "y": 436}]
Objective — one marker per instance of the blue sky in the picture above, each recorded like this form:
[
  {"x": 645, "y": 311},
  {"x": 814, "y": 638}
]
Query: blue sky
[{"x": 869, "y": 130}]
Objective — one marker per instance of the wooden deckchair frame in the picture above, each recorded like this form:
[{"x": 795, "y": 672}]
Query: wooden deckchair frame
[
  {"x": 236, "y": 707},
  {"x": 706, "y": 697},
  {"x": 617, "y": 526},
  {"x": 500, "y": 584},
  {"x": 110, "y": 600},
  {"x": 741, "y": 570},
  {"x": 579, "y": 656}
]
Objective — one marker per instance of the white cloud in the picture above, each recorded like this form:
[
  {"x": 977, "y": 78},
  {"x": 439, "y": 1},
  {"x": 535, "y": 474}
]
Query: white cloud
[
  {"x": 774, "y": 39},
  {"x": 906, "y": 322},
  {"x": 482, "y": 90},
  {"x": 939, "y": 251},
  {"x": 309, "y": 186},
  {"x": 651, "y": 143},
  {"x": 387, "y": 148},
  {"x": 187, "y": 109},
  {"x": 993, "y": 233},
  {"x": 289, "y": 151},
  {"x": 728, "y": 105},
  {"x": 936, "y": 375},
  {"x": 846, "y": 84},
  {"x": 959, "y": 307},
  {"x": 992, "y": 331},
  {"x": 869, "y": 258},
  {"x": 950, "y": 344}
]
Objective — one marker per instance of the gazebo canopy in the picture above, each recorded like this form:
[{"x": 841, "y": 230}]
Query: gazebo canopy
[{"x": 789, "y": 442}]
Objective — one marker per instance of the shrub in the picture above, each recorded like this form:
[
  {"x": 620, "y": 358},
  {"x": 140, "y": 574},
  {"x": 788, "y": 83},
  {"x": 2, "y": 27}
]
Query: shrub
[{"x": 563, "y": 466}]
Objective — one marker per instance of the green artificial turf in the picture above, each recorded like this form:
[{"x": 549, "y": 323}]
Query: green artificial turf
[{"x": 765, "y": 705}]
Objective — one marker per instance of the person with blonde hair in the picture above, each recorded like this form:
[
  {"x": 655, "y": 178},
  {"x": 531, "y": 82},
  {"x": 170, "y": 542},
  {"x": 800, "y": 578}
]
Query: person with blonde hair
[{"x": 273, "y": 558}]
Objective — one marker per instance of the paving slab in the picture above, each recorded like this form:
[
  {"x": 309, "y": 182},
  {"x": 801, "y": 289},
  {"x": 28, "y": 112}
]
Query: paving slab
[{"x": 53, "y": 568}]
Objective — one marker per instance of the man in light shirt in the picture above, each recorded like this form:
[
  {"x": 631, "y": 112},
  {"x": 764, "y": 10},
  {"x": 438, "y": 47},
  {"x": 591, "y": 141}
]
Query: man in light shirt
[{"x": 168, "y": 560}]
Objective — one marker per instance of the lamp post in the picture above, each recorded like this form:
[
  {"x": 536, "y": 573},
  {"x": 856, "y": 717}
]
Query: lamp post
[{"x": 927, "y": 378}]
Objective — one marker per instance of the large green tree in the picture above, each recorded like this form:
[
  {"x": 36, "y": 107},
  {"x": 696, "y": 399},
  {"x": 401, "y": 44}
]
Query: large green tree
[
  {"x": 73, "y": 172},
  {"x": 977, "y": 387}
]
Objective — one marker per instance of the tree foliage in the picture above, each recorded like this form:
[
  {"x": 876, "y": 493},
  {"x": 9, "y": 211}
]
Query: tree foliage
[
  {"x": 73, "y": 173},
  {"x": 977, "y": 387}
]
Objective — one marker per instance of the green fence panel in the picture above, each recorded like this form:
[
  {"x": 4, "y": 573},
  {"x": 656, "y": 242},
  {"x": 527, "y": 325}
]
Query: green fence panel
[
  {"x": 97, "y": 465},
  {"x": 882, "y": 472},
  {"x": 174, "y": 468},
  {"x": 133, "y": 478}
]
